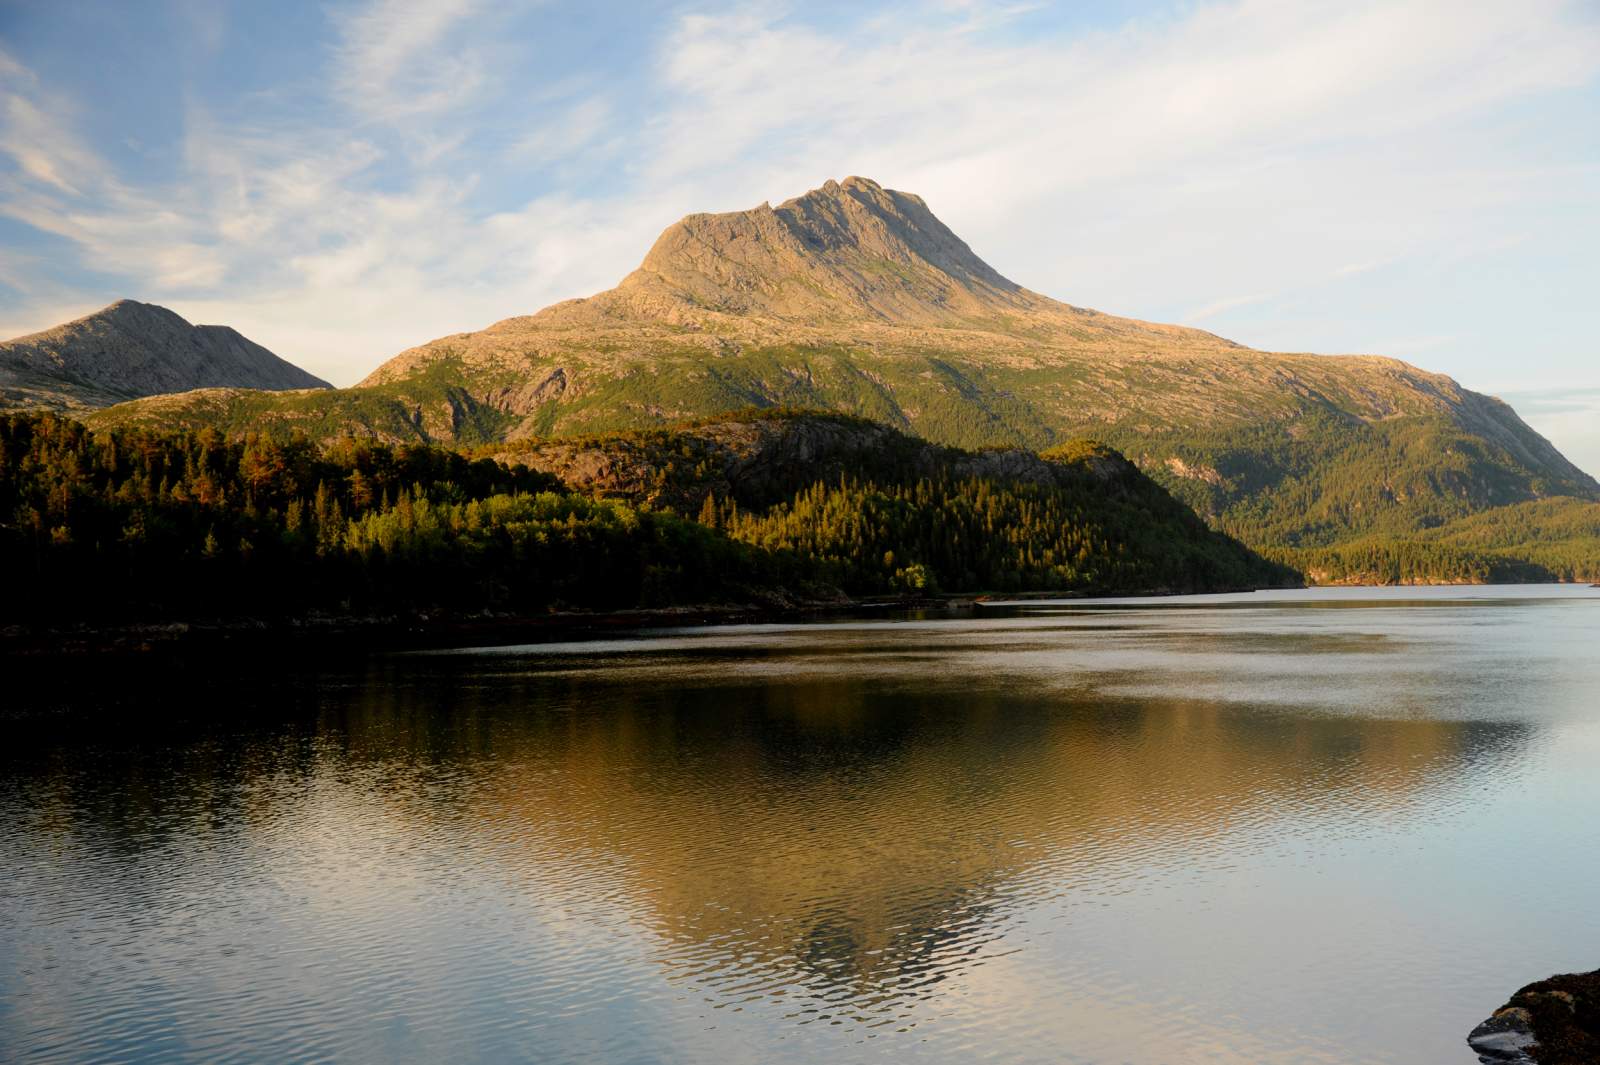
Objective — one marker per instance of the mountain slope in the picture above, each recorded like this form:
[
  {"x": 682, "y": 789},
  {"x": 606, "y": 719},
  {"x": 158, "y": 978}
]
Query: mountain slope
[
  {"x": 857, "y": 299},
  {"x": 132, "y": 349}
]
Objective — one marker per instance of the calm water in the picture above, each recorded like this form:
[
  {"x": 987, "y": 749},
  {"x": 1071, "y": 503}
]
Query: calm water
[{"x": 1308, "y": 827}]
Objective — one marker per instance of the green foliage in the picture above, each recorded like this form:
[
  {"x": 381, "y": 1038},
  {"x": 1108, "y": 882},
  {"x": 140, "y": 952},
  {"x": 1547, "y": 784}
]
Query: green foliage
[
  {"x": 1346, "y": 500},
  {"x": 147, "y": 523},
  {"x": 1544, "y": 540},
  {"x": 882, "y": 536},
  {"x": 139, "y": 524},
  {"x": 1324, "y": 478}
]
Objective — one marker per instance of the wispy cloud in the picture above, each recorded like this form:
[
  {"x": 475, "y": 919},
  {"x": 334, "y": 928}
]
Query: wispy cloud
[
  {"x": 574, "y": 130},
  {"x": 63, "y": 187},
  {"x": 1211, "y": 310},
  {"x": 1550, "y": 401},
  {"x": 41, "y": 144},
  {"x": 397, "y": 59}
]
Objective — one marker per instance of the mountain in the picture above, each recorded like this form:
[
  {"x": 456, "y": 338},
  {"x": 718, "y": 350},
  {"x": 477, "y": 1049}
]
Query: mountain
[
  {"x": 133, "y": 349},
  {"x": 856, "y": 298}
]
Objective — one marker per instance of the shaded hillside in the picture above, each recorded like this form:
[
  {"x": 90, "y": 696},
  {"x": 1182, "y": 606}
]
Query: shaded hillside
[
  {"x": 132, "y": 349},
  {"x": 857, "y": 299},
  {"x": 759, "y": 458},
  {"x": 851, "y": 492},
  {"x": 132, "y": 523}
]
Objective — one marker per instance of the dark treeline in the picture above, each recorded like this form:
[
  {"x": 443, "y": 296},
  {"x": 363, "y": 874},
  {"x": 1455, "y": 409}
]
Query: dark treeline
[
  {"x": 143, "y": 523},
  {"x": 146, "y": 524}
]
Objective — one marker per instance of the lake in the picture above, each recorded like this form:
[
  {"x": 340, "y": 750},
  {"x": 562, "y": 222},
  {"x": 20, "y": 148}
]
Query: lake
[{"x": 1323, "y": 826}]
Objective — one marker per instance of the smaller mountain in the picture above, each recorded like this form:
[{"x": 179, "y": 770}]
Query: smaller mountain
[
  {"x": 852, "y": 495},
  {"x": 130, "y": 350}
]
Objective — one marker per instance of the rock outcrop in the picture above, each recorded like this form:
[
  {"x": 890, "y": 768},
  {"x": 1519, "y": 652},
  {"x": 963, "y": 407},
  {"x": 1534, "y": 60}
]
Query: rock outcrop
[
  {"x": 133, "y": 349},
  {"x": 1551, "y": 1022},
  {"x": 1505, "y": 1038}
]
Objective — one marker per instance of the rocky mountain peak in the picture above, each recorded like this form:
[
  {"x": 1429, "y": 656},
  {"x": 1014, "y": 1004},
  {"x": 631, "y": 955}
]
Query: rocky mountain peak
[{"x": 847, "y": 250}]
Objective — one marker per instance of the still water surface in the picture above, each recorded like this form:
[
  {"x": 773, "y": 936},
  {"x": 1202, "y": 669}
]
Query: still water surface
[{"x": 1330, "y": 826}]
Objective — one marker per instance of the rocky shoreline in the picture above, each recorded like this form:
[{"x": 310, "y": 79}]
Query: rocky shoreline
[{"x": 1551, "y": 1022}]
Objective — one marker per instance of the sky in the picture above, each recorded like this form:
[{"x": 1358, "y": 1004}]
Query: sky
[{"x": 341, "y": 181}]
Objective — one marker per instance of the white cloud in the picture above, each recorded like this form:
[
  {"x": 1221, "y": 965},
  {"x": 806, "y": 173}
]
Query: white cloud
[
  {"x": 574, "y": 130},
  {"x": 44, "y": 149},
  {"x": 1017, "y": 124},
  {"x": 395, "y": 58},
  {"x": 63, "y": 187}
]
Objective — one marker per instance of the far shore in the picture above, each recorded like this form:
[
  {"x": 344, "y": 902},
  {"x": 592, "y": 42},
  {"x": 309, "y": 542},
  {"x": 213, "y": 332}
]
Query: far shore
[
  {"x": 437, "y": 628},
  {"x": 442, "y": 628}
]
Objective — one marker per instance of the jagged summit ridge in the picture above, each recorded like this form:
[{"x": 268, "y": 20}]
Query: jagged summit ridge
[
  {"x": 131, "y": 349},
  {"x": 850, "y": 249}
]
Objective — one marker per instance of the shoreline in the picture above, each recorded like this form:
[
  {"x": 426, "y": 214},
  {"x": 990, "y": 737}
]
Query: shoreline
[{"x": 421, "y": 629}]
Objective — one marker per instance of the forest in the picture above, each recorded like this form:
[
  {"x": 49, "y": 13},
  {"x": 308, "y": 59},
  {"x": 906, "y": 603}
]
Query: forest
[
  {"x": 143, "y": 524},
  {"x": 1542, "y": 540},
  {"x": 1408, "y": 500}
]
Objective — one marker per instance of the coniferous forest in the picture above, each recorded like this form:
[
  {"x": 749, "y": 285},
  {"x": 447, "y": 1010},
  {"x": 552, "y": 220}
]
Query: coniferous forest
[{"x": 143, "y": 524}]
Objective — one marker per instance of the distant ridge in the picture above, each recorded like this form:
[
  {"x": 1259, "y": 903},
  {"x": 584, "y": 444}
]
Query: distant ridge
[{"x": 132, "y": 349}]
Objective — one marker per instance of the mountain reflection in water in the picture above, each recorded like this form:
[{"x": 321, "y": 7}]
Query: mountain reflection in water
[{"x": 1053, "y": 835}]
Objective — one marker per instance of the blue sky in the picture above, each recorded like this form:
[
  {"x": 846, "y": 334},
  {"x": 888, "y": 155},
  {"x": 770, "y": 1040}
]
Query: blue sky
[{"x": 1418, "y": 178}]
